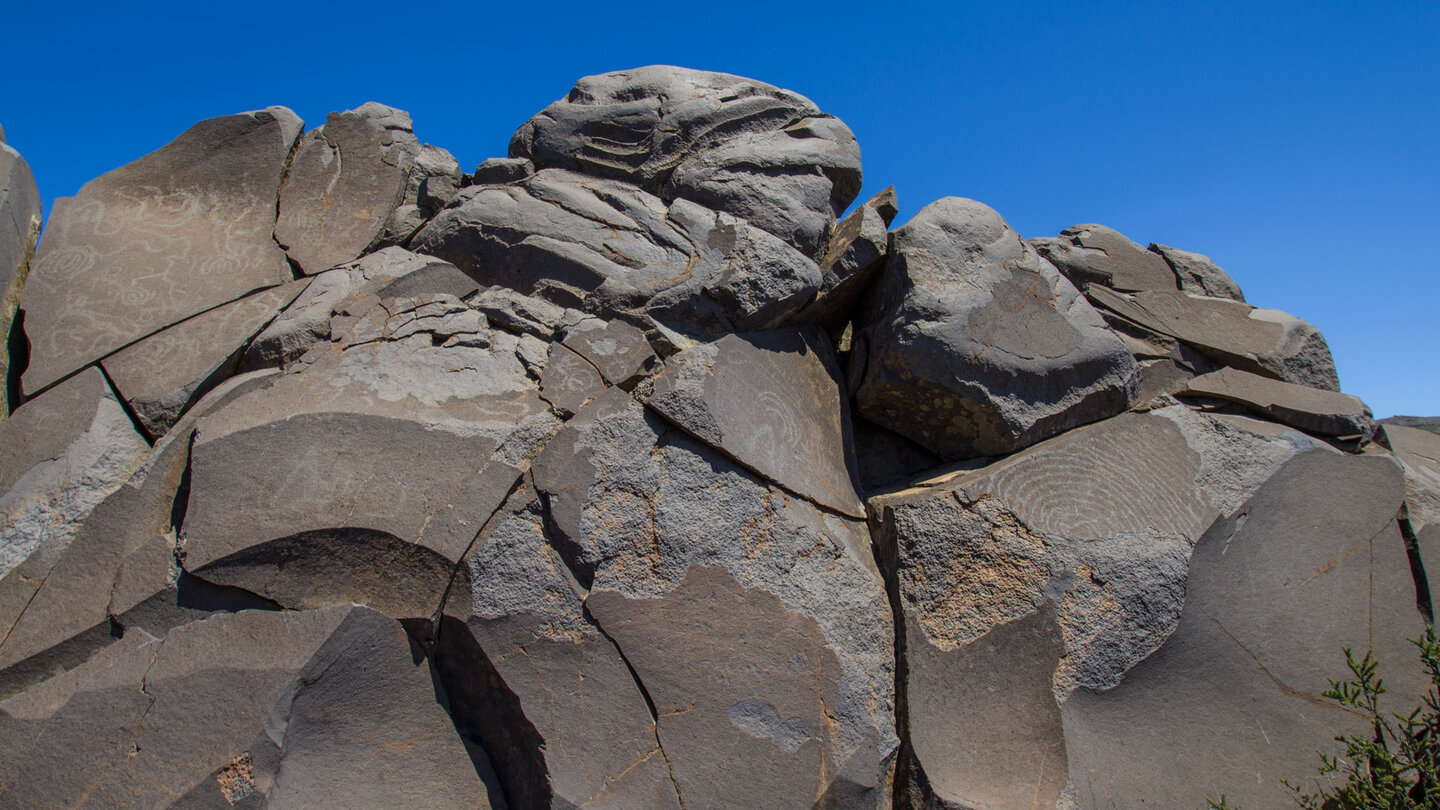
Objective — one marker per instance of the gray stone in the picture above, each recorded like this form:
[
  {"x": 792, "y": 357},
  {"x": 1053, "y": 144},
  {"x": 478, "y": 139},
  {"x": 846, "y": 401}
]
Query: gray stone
[
  {"x": 19, "y": 230},
  {"x": 736, "y": 145},
  {"x": 523, "y": 314},
  {"x": 612, "y": 249},
  {"x": 973, "y": 345},
  {"x": 177, "y": 232},
  {"x": 1419, "y": 453},
  {"x": 1263, "y": 341},
  {"x": 61, "y": 454},
  {"x": 494, "y": 171},
  {"x": 346, "y": 179},
  {"x": 531, "y": 676},
  {"x": 772, "y": 401},
  {"x": 1327, "y": 413},
  {"x": 1095, "y": 254},
  {"x": 435, "y": 179},
  {"x": 851, "y": 261},
  {"x": 1198, "y": 274},
  {"x": 122, "y": 555},
  {"x": 306, "y": 321},
  {"x": 1316, "y": 564},
  {"x": 664, "y": 532},
  {"x": 281, "y": 697},
  {"x": 164, "y": 374},
  {"x": 1057, "y": 569},
  {"x": 569, "y": 380},
  {"x": 617, "y": 350}
]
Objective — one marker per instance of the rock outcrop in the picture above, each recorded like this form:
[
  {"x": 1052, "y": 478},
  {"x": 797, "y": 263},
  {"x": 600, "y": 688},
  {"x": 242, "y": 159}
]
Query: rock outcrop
[{"x": 627, "y": 470}]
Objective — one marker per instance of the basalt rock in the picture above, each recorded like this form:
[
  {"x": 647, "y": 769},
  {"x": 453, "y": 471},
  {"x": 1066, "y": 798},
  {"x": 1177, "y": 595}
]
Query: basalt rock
[
  {"x": 619, "y": 473},
  {"x": 19, "y": 229}
]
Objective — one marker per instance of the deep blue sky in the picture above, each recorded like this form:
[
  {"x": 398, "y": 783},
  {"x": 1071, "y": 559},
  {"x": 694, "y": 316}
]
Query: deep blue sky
[{"x": 1295, "y": 143}]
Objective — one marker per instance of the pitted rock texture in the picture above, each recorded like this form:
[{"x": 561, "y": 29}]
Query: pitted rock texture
[
  {"x": 623, "y": 472},
  {"x": 740, "y": 146}
]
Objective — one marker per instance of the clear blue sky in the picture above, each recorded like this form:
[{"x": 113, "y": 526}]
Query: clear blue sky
[{"x": 1296, "y": 143}]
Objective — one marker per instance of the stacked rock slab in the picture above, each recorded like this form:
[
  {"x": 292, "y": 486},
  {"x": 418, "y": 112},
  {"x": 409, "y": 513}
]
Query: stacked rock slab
[{"x": 346, "y": 479}]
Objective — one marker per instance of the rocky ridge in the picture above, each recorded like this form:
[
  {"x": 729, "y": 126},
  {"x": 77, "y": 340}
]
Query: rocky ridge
[{"x": 623, "y": 471}]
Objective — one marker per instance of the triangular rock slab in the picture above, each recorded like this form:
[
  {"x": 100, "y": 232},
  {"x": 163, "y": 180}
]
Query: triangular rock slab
[
  {"x": 346, "y": 179},
  {"x": 1088, "y": 254},
  {"x": 162, "y": 375},
  {"x": 177, "y": 232},
  {"x": 196, "y": 716},
  {"x": 1264, "y": 341},
  {"x": 61, "y": 454},
  {"x": 772, "y": 401},
  {"x": 1326, "y": 413}
]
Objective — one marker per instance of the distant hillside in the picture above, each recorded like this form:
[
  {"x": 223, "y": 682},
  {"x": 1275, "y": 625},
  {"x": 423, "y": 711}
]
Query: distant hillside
[{"x": 1430, "y": 423}]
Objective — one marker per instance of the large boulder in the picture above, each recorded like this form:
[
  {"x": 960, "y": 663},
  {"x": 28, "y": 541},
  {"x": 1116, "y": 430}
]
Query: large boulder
[
  {"x": 19, "y": 230},
  {"x": 736, "y": 145},
  {"x": 347, "y": 178},
  {"x": 180, "y": 231},
  {"x": 974, "y": 345},
  {"x": 613, "y": 249}
]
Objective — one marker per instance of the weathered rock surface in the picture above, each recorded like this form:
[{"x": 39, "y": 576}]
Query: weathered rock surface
[
  {"x": 19, "y": 229},
  {"x": 1095, "y": 254},
  {"x": 792, "y": 674},
  {"x": 975, "y": 345},
  {"x": 347, "y": 177},
  {"x": 1328, "y": 413},
  {"x": 773, "y": 402},
  {"x": 162, "y": 375},
  {"x": 736, "y": 145},
  {"x": 613, "y": 249},
  {"x": 1198, "y": 274},
  {"x": 1261, "y": 609},
  {"x": 1418, "y": 452},
  {"x": 542, "y": 487},
  {"x": 180, "y": 231},
  {"x": 1231, "y": 333},
  {"x": 64, "y": 452},
  {"x": 283, "y": 724}
]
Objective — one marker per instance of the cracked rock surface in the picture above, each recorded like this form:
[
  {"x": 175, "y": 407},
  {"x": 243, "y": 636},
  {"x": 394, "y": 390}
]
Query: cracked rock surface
[{"x": 630, "y": 470}]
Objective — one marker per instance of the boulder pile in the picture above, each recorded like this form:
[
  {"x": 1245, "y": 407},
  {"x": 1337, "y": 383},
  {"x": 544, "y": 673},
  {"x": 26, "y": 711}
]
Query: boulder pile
[{"x": 622, "y": 471}]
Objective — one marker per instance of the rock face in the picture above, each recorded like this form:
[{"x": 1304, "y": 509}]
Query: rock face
[
  {"x": 182, "y": 230},
  {"x": 19, "y": 228},
  {"x": 975, "y": 346},
  {"x": 623, "y": 473}
]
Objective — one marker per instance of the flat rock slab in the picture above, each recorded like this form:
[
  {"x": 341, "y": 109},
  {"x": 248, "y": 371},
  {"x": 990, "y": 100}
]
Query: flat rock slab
[
  {"x": 1419, "y": 452},
  {"x": 974, "y": 345},
  {"x": 1095, "y": 254},
  {"x": 347, "y": 177},
  {"x": 1264, "y": 341},
  {"x": 773, "y": 401},
  {"x": 20, "y": 213},
  {"x": 128, "y": 735},
  {"x": 1058, "y": 568},
  {"x": 164, "y": 374},
  {"x": 611, "y": 248},
  {"x": 180, "y": 231},
  {"x": 851, "y": 261},
  {"x": 736, "y": 145},
  {"x": 1326, "y": 413},
  {"x": 1317, "y": 565}
]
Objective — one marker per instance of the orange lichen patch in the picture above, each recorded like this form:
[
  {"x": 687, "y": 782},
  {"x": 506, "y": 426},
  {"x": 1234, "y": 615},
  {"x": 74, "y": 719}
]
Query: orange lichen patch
[{"x": 237, "y": 780}]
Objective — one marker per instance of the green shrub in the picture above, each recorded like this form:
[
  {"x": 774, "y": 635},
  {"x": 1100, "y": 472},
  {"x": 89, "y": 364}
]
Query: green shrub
[{"x": 1397, "y": 765}]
